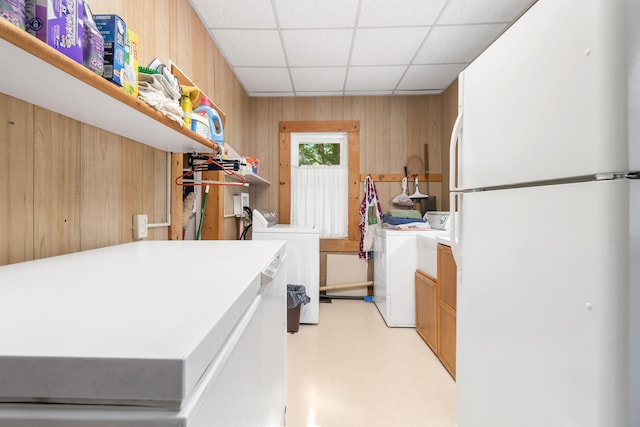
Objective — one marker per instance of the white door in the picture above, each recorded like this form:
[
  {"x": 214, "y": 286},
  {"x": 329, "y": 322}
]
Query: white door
[
  {"x": 542, "y": 306},
  {"x": 548, "y": 99}
]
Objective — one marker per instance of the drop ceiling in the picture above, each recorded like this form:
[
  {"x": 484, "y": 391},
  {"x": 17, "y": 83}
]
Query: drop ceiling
[{"x": 353, "y": 47}]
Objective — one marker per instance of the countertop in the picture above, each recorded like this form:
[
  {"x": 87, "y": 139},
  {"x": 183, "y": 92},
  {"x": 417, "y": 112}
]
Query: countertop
[{"x": 445, "y": 240}]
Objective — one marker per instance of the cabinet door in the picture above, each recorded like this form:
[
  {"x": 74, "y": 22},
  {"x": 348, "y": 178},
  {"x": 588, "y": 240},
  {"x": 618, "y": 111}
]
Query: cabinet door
[
  {"x": 447, "y": 276},
  {"x": 427, "y": 310},
  {"x": 447, "y": 337},
  {"x": 447, "y": 287}
]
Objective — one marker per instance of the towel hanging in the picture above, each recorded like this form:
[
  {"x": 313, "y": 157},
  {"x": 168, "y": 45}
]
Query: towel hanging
[{"x": 370, "y": 217}]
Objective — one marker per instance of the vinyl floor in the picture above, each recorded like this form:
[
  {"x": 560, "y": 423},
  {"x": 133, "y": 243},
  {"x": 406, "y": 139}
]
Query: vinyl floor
[{"x": 353, "y": 370}]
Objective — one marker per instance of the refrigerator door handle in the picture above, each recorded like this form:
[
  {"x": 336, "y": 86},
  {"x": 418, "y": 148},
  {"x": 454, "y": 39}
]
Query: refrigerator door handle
[
  {"x": 455, "y": 228},
  {"x": 454, "y": 152}
]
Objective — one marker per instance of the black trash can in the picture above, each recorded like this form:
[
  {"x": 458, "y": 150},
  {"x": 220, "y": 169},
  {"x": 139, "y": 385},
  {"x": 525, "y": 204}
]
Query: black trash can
[{"x": 296, "y": 296}]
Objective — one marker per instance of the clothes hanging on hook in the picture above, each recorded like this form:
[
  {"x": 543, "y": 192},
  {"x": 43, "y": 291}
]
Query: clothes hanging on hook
[{"x": 370, "y": 217}]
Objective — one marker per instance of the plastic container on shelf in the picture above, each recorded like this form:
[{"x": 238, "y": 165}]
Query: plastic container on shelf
[
  {"x": 215, "y": 123},
  {"x": 199, "y": 124},
  {"x": 187, "y": 107}
]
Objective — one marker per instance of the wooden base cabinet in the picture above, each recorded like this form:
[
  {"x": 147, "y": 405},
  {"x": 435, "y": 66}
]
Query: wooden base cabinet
[
  {"x": 436, "y": 309},
  {"x": 427, "y": 309}
]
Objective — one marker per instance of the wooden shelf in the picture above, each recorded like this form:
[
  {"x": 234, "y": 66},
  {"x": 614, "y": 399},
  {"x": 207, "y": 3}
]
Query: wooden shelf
[
  {"x": 256, "y": 179},
  {"x": 38, "y": 74}
]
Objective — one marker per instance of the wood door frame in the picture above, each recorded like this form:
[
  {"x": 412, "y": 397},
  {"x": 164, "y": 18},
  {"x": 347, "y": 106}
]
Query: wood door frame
[{"x": 352, "y": 128}]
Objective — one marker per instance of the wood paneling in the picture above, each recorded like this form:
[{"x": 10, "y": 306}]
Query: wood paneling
[
  {"x": 101, "y": 188},
  {"x": 175, "y": 232},
  {"x": 449, "y": 114},
  {"x": 16, "y": 180},
  {"x": 68, "y": 187},
  {"x": 56, "y": 191},
  {"x": 391, "y": 130}
]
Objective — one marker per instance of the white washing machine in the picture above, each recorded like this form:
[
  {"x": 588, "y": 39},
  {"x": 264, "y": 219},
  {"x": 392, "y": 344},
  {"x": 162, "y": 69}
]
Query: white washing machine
[
  {"x": 395, "y": 261},
  {"x": 303, "y": 257}
]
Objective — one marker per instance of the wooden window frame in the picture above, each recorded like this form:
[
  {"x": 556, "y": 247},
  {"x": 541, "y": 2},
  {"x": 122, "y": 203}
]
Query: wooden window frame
[{"x": 352, "y": 128}]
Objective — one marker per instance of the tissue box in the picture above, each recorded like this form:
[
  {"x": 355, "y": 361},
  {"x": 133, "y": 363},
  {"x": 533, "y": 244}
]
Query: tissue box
[
  {"x": 130, "y": 75},
  {"x": 64, "y": 27},
  {"x": 36, "y": 18},
  {"x": 114, "y": 31}
]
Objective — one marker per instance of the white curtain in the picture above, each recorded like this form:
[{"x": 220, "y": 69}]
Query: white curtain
[{"x": 319, "y": 197}]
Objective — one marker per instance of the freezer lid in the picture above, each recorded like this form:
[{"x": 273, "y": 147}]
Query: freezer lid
[
  {"x": 133, "y": 324},
  {"x": 548, "y": 99}
]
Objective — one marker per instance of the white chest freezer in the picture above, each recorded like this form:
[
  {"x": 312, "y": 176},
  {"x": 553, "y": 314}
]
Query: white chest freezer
[{"x": 163, "y": 333}]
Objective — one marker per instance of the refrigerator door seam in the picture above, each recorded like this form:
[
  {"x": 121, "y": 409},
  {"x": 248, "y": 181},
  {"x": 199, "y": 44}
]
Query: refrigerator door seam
[{"x": 573, "y": 180}]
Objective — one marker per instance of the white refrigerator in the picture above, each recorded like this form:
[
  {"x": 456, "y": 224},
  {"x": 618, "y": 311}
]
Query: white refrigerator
[{"x": 546, "y": 229}]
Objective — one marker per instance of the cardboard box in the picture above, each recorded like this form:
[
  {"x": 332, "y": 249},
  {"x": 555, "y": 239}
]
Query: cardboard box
[
  {"x": 130, "y": 75},
  {"x": 64, "y": 27},
  {"x": 114, "y": 32},
  {"x": 13, "y": 11},
  {"x": 36, "y": 18}
]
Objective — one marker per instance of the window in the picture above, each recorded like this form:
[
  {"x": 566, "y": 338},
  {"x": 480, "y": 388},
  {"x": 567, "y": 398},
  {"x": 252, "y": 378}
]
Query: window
[
  {"x": 319, "y": 182},
  {"x": 352, "y": 129}
]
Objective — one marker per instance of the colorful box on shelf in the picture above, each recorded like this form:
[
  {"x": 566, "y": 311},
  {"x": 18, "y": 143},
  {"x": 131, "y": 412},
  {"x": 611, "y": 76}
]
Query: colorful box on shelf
[
  {"x": 130, "y": 74},
  {"x": 114, "y": 31},
  {"x": 13, "y": 11},
  {"x": 64, "y": 27},
  {"x": 254, "y": 164},
  {"x": 36, "y": 18}
]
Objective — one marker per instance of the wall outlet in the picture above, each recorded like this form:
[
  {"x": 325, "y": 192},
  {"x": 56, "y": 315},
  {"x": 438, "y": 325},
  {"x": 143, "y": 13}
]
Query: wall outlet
[{"x": 140, "y": 226}]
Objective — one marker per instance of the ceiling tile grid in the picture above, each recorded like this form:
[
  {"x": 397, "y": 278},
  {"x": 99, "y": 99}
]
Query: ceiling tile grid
[{"x": 353, "y": 47}]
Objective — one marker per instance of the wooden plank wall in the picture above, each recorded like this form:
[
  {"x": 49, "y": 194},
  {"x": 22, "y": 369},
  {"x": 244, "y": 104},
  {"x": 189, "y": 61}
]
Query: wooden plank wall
[
  {"x": 392, "y": 128},
  {"x": 66, "y": 186},
  {"x": 449, "y": 114}
]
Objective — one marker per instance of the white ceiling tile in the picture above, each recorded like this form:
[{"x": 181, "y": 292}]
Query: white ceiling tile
[
  {"x": 236, "y": 14},
  {"x": 257, "y": 48},
  {"x": 252, "y": 35},
  {"x": 374, "y": 78},
  {"x": 482, "y": 11},
  {"x": 387, "y": 13},
  {"x": 430, "y": 77},
  {"x": 386, "y": 46},
  {"x": 317, "y": 47},
  {"x": 469, "y": 42},
  {"x": 316, "y": 14},
  {"x": 264, "y": 79},
  {"x": 317, "y": 79}
]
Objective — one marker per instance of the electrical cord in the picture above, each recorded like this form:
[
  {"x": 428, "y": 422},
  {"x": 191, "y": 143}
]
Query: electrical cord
[{"x": 248, "y": 224}]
